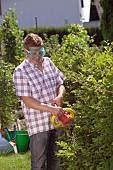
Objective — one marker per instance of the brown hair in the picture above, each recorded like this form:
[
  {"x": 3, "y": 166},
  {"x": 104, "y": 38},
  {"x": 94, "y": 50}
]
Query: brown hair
[{"x": 32, "y": 40}]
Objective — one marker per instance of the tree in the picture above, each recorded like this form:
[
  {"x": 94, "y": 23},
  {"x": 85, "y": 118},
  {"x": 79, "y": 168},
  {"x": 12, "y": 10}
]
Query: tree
[
  {"x": 8, "y": 100},
  {"x": 12, "y": 38},
  {"x": 107, "y": 19}
]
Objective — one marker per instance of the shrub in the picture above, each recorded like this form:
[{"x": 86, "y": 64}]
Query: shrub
[
  {"x": 89, "y": 87},
  {"x": 8, "y": 100},
  {"x": 12, "y": 38}
]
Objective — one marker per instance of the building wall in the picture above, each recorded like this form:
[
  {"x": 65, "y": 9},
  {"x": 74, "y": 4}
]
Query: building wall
[
  {"x": 48, "y": 12},
  {"x": 91, "y": 24}
]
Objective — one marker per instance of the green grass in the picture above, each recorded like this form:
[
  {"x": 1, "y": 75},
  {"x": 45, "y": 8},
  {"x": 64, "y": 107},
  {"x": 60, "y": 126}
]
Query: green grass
[{"x": 14, "y": 161}]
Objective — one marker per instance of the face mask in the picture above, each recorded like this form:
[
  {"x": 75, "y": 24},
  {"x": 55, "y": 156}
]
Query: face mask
[{"x": 38, "y": 53}]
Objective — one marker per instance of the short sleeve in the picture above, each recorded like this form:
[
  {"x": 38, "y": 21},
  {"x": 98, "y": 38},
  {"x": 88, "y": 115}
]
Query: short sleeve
[
  {"x": 21, "y": 84},
  {"x": 60, "y": 77}
]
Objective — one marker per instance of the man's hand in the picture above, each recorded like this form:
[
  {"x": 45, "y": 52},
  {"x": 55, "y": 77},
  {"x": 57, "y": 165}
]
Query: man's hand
[
  {"x": 58, "y": 101},
  {"x": 57, "y": 111}
]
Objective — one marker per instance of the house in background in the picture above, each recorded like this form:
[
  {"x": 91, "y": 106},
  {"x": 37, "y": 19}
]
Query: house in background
[
  {"x": 92, "y": 11},
  {"x": 48, "y": 12}
]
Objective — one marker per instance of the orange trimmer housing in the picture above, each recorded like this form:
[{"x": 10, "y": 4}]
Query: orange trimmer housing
[{"x": 65, "y": 119}]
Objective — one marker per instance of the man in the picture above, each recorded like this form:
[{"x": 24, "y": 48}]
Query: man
[{"x": 39, "y": 84}]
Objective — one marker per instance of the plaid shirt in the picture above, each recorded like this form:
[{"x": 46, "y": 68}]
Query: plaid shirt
[{"x": 42, "y": 86}]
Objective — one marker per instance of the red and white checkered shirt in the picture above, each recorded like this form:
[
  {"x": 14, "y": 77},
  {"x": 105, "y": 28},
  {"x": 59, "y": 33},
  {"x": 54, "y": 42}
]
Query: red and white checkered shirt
[{"x": 42, "y": 86}]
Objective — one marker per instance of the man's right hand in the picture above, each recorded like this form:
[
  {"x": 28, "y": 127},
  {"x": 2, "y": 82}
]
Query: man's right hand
[
  {"x": 33, "y": 103},
  {"x": 57, "y": 111}
]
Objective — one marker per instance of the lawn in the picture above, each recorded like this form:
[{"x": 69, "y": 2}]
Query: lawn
[{"x": 15, "y": 161}]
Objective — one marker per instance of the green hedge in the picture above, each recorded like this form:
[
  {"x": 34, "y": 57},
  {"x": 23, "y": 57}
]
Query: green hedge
[
  {"x": 61, "y": 31},
  {"x": 89, "y": 91},
  {"x": 96, "y": 33}
]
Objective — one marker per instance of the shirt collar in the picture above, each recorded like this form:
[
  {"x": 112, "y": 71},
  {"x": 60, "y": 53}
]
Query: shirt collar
[{"x": 31, "y": 64}]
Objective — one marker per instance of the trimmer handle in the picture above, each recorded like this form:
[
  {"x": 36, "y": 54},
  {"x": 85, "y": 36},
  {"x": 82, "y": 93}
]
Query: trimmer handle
[{"x": 65, "y": 119}]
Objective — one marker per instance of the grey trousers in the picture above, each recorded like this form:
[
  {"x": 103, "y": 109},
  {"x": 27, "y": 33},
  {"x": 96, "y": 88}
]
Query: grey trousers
[{"x": 43, "y": 147}]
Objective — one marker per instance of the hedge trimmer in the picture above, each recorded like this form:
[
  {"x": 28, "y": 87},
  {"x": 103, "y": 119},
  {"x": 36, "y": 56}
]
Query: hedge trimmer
[{"x": 65, "y": 120}]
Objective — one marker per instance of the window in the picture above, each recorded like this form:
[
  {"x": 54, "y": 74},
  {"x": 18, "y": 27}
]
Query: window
[
  {"x": 93, "y": 12},
  {"x": 82, "y": 3}
]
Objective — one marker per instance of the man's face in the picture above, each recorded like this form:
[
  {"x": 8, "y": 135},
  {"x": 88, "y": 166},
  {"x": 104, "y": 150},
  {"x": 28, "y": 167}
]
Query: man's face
[{"x": 35, "y": 54}]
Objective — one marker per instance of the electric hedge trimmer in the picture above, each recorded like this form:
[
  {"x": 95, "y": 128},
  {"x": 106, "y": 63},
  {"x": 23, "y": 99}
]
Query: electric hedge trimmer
[{"x": 65, "y": 120}]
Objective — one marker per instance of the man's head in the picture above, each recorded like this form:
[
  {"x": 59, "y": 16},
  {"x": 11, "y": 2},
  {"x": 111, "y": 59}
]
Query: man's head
[
  {"x": 33, "y": 45},
  {"x": 33, "y": 40}
]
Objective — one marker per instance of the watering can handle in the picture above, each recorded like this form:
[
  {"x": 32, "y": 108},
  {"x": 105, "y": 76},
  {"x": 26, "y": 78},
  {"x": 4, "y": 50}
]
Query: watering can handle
[
  {"x": 8, "y": 135},
  {"x": 14, "y": 131}
]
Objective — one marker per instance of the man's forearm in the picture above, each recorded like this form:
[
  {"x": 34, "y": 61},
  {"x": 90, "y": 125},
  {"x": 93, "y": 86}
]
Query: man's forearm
[
  {"x": 33, "y": 103},
  {"x": 61, "y": 91}
]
